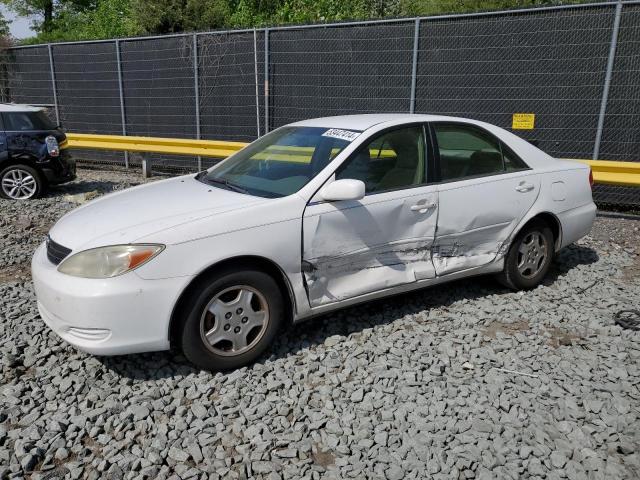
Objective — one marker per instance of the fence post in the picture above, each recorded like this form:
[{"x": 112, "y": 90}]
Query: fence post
[
  {"x": 120, "y": 89},
  {"x": 266, "y": 80},
  {"x": 255, "y": 71},
  {"x": 53, "y": 84},
  {"x": 607, "y": 79},
  {"x": 196, "y": 89},
  {"x": 414, "y": 67}
]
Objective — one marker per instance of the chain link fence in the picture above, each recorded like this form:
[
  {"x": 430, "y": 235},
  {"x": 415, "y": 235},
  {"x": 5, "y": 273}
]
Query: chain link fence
[{"x": 576, "y": 67}]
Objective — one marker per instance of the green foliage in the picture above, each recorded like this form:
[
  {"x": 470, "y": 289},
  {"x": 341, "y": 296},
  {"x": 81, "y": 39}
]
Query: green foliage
[
  {"x": 436, "y": 7},
  {"x": 109, "y": 18},
  {"x": 93, "y": 19},
  {"x": 172, "y": 16},
  {"x": 4, "y": 27}
]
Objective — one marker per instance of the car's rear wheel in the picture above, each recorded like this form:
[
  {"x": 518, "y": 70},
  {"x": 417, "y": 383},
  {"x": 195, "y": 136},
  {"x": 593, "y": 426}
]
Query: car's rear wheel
[
  {"x": 20, "y": 182},
  {"x": 529, "y": 257},
  {"x": 230, "y": 319}
]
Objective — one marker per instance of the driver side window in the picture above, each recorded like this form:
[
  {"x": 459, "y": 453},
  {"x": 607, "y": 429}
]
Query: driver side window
[{"x": 392, "y": 161}]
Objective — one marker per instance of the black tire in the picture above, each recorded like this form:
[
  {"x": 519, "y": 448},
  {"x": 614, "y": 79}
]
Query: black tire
[
  {"x": 196, "y": 314},
  {"x": 512, "y": 277},
  {"x": 20, "y": 169}
]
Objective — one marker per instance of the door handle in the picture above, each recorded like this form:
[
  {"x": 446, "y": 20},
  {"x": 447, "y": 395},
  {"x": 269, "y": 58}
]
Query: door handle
[
  {"x": 525, "y": 187},
  {"x": 422, "y": 207}
]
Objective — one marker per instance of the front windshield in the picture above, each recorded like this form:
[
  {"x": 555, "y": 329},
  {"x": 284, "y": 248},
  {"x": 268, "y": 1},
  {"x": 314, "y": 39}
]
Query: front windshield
[{"x": 281, "y": 162}]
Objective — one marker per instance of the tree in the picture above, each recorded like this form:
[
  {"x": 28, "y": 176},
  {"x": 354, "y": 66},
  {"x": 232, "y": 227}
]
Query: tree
[
  {"x": 45, "y": 11},
  {"x": 171, "y": 16},
  {"x": 80, "y": 20},
  {"x": 108, "y": 19},
  {"x": 4, "y": 27},
  {"x": 435, "y": 7},
  {"x": 56, "y": 20}
]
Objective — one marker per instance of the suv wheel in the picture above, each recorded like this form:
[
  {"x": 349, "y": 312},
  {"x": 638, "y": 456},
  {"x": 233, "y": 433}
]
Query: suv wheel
[
  {"x": 20, "y": 182},
  {"x": 231, "y": 319},
  {"x": 529, "y": 257}
]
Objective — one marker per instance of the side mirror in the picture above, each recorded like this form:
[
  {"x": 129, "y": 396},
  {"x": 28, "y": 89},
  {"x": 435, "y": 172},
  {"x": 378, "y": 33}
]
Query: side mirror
[{"x": 346, "y": 189}]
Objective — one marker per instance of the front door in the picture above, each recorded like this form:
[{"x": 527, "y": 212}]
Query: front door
[
  {"x": 351, "y": 248},
  {"x": 485, "y": 190}
]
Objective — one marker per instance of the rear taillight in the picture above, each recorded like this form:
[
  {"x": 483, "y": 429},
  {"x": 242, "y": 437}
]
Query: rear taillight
[
  {"x": 590, "y": 178},
  {"x": 52, "y": 146}
]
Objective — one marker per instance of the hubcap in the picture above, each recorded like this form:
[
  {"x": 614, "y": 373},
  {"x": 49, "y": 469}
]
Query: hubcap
[
  {"x": 234, "y": 320},
  {"x": 532, "y": 254},
  {"x": 18, "y": 184}
]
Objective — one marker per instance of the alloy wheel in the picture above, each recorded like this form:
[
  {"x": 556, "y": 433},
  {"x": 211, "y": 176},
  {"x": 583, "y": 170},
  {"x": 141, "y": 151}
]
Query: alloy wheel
[
  {"x": 234, "y": 321},
  {"x": 19, "y": 184},
  {"x": 532, "y": 254}
]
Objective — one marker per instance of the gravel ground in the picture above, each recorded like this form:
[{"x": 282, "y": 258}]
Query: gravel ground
[{"x": 466, "y": 380}]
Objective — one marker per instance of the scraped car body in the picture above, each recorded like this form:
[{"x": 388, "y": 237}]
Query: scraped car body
[{"x": 325, "y": 254}]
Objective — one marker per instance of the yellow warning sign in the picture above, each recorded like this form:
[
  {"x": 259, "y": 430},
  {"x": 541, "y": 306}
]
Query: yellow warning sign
[{"x": 523, "y": 121}]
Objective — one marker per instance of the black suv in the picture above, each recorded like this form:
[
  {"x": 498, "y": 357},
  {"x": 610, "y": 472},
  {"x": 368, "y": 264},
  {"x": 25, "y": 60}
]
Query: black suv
[{"x": 33, "y": 153}]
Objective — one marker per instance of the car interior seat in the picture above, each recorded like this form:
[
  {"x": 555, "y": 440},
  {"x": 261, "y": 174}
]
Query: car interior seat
[
  {"x": 483, "y": 162},
  {"x": 409, "y": 167}
]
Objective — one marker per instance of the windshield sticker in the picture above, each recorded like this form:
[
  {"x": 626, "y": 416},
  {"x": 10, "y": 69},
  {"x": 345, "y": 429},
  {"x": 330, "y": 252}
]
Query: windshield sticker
[{"x": 347, "y": 135}]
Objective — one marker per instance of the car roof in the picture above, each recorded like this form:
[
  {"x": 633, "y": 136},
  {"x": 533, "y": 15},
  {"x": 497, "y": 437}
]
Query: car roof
[
  {"x": 16, "y": 107},
  {"x": 365, "y": 121}
]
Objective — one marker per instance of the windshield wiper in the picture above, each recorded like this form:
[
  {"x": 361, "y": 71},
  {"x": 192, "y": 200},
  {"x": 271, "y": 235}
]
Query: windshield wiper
[{"x": 226, "y": 183}]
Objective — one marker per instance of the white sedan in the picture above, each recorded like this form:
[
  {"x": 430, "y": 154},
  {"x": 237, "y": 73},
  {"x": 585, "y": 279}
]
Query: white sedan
[{"x": 312, "y": 217}]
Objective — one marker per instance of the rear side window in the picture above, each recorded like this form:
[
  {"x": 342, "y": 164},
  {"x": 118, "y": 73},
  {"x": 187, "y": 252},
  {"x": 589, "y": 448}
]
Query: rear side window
[
  {"x": 25, "y": 121},
  {"x": 467, "y": 151}
]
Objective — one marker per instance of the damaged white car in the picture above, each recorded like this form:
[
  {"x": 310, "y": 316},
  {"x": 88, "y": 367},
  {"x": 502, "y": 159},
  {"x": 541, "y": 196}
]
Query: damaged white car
[{"x": 309, "y": 218}]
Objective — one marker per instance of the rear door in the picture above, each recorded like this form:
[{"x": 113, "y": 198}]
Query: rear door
[
  {"x": 351, "y": 248},
  {"x": 484, "y": 191}
]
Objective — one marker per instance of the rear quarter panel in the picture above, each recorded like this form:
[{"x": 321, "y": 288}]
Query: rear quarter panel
[{"x": 565, "y": 193}]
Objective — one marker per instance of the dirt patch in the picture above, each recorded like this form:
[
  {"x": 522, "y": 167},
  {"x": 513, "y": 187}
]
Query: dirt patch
[
  {"x": 493, "y": 328},
  {"x": 632, "y": 272},
  {"x": 15, "y": 273},
  {"x": 563, "y": 338},
  {"x": 323, "y": 458}
]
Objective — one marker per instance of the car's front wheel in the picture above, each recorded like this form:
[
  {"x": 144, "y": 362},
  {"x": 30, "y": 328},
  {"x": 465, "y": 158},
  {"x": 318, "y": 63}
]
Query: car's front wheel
[
  {"x": 20, "y": 182},
  {"x": 230, "y": 319},
  {"x": 529, "y": 257}
]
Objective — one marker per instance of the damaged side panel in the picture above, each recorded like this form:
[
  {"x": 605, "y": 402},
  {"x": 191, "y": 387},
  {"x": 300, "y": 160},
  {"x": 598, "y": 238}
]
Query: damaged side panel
[
  {"x": 353, "y": 248},
  {"x": 478, "y": 216}
]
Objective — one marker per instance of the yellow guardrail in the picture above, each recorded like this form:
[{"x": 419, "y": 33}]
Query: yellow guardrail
[
  {"x": 204, "y": 148},
  {"x": 604, "y": 171},
  {"x": 175, "y": 146}
]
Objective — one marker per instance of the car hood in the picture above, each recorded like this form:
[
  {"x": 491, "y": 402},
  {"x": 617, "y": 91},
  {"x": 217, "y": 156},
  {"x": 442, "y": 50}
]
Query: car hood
[{"x": 127, "y": 215}]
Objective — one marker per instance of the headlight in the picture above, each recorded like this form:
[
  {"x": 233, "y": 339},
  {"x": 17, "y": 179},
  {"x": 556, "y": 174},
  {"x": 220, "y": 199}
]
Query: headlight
[{"x": 107, "y": 262}]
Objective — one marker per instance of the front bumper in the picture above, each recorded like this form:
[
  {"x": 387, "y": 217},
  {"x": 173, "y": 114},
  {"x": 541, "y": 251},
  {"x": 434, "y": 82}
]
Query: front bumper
[{"x": 120, "y": 315}]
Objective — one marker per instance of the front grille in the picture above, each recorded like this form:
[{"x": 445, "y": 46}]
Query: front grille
[{"x": 56, "y": 252}]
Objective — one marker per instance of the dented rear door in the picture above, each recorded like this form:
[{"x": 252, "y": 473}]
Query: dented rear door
[
  {"x": 352, "y": 248},
  {"x": 478, "y": 215}
]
